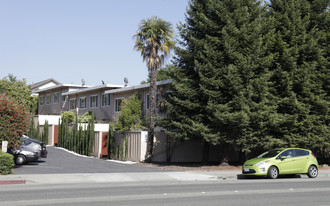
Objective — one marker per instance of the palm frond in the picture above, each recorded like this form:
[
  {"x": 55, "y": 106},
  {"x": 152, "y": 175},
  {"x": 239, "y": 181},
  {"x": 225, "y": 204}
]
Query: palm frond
[{"x": 154, "y": 39}]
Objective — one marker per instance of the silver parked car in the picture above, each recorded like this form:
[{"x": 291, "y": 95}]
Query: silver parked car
[
  {"x": 22, "y": 156},
  {"x": 34, "y": 145}
]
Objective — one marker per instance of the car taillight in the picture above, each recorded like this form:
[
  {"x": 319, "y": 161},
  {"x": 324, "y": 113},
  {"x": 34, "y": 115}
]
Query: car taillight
[{"x": 314, "y": 155}]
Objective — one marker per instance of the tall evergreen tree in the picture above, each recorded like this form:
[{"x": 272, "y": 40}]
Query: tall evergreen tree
[
  {"x": 45, "y": 133},
  {"x": 111, "y": 142},
  {"x": 252, "y": 77},
  {"x": 301, "y": 73},
  {"x": 220, "y": 81}
]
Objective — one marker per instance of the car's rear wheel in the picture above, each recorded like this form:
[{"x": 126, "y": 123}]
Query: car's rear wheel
[
  {"x": 312, "y": 171},
  {"x": 272, "y": 172},
  {"x": 20, "y": 159}
]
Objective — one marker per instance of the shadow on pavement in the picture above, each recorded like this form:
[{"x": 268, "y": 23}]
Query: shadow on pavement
[
  {"x": 249, "y": 177},
  {"x": 29, "y": 163}
]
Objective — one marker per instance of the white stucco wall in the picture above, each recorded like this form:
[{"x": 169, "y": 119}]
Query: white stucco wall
[
  {"x": 144, "y": 140},
  {"x": 52, "y": 119}
]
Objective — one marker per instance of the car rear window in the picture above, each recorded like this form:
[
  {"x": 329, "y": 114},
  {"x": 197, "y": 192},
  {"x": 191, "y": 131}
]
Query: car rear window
[{"x": 300, "y": 152}]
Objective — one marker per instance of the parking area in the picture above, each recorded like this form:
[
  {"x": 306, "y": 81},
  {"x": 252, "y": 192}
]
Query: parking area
[{"x": 60, "y": 161}]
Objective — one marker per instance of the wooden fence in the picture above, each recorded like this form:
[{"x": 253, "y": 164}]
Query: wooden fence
[{"x": 165, "y": 148}]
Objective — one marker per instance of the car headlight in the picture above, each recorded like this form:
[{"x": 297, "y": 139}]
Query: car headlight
[{"x": 262, "y": 162}]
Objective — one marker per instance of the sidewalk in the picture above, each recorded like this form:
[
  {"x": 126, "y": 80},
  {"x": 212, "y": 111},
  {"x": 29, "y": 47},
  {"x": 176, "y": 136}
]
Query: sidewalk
[
  {"x": 106, "y": 177},
  {"x": 168, "y": 176}
]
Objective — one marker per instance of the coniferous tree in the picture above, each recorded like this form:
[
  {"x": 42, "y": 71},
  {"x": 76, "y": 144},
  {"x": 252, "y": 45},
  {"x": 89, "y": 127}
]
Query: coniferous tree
[
  {"x": 75, "y": 133},
  {"x": 111, "y": 142},
  {"x": 221, "y": 79},
  {"x": 59, "y": 133},
  {"x": 66, "y": 133},
  {"x": 185, "y": 105},
  {"x": 91, "y": 136},
  {"x": 38, "y": 131},
  {"x": 79, "y": 137},
  {"x": 45, "y": 133},
  {"x": 252, "y": 77},
  {"x": 126, "y": 148},
  {"x": 301, "y": 74},
  {"x": 31, "y": 128},
  {"x": 121, "y": 150}
]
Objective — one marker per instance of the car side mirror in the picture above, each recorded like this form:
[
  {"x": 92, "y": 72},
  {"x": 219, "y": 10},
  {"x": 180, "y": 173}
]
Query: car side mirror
[{"x": 283, "y": 158}]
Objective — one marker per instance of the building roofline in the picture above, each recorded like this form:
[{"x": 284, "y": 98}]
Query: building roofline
[
  {"x": 142, "y": 86},
  {"x": 61, "y": 86},
  {"x": 104, "y": 86},
  {"x": 44, "y": 81}
]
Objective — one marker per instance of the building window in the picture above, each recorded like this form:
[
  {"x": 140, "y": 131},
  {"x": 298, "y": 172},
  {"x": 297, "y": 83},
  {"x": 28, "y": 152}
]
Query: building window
[
  {"x": 147, "y": 101},
  {"x": 63, "y": 98},
  {"x": 49, "y": 99},
  {"x": 82, "y": 102},
  {"x": 105, "y": 100},
  {"x": 41, "y": 100},
  {"x": 118, "y": 104},
  {"x": 56, "y": 97},
  {"x": 72, "y": 103},
  {"x": 93, "y": 101},
  {"x": 157, "y": 100}
]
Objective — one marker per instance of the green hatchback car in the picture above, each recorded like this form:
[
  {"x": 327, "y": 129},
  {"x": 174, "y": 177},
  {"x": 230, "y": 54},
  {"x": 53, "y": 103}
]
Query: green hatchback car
[{"x": 282, "y": 161}]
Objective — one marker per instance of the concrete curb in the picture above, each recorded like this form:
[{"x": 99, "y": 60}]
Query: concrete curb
[
  {"x": 11, "y": 182},
  {"x": 168, "y": 176}
]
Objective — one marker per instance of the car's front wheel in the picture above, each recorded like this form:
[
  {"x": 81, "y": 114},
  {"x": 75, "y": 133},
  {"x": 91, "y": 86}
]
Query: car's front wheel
[
  {"x": 312, "y": 171},
  {"x": 20, "y": 159},
  {"x": 272, "y": 172}
]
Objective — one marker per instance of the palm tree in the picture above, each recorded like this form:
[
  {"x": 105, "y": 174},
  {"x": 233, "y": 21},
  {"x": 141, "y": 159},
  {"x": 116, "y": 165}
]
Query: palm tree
[{"x": 154, "y": 39}]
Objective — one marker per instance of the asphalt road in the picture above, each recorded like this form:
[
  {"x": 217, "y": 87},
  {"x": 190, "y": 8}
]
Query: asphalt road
[
  {"x": 63, "y": 162},
  {"x": 252, "y": 192},
  {"x": 155, "y": 191}
]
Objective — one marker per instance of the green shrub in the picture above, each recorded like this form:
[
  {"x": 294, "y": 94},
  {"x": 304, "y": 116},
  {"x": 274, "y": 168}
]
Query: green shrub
[
  {"x": 70, "y": 116},
  {"x": 6, "y": 163},
  {"x": 87, "y": 117}
]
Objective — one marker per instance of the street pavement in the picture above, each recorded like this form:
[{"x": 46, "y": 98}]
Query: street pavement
[
  {"x": 63, "y": 167},
  {"x": 139, "y": 177},
  {"x": 62, "y": 161},
  {"x": 229, "y": 193}
]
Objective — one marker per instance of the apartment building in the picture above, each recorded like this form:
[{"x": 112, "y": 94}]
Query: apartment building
[
  {"x": 103, "y": 100},
  {"x": 117, "y": 95},
  {"x": 52, "y": 100},
  {"x": 92, "y": 99}
]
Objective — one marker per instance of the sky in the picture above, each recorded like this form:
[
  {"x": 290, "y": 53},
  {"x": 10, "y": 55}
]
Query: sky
[{"x": 71, "y": 40}]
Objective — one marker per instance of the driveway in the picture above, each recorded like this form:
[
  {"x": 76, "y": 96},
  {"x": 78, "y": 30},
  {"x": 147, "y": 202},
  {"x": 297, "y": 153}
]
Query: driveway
[{"x": 60, "y": 161}]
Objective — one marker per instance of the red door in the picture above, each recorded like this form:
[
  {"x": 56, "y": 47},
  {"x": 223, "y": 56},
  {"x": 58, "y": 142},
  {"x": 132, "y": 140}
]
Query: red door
[
  {"x": 104, "y": 150},
  {"x": 55, "y": 134}
]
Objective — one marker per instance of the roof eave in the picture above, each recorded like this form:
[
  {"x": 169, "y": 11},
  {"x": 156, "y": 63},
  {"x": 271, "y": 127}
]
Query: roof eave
[{"x": 131, "y": 88}]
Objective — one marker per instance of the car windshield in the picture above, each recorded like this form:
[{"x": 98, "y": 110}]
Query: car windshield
[{"x": 271, "y": 153}]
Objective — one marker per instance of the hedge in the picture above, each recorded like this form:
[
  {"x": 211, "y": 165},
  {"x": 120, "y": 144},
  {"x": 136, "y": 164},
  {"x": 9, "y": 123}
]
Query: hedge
[{"x": 6, "y": 163}]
